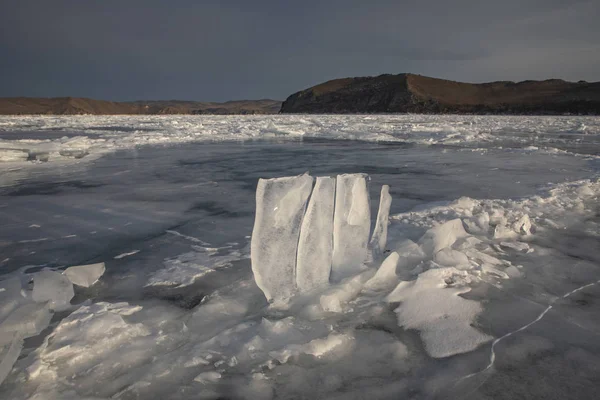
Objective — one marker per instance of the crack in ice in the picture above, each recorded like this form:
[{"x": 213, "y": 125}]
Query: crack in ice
[{"x": 540, "y": 316}]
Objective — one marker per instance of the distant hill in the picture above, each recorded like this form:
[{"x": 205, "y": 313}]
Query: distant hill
[
  {"x": 79, "y": 106},
  {"x": 410, "y": 93}
]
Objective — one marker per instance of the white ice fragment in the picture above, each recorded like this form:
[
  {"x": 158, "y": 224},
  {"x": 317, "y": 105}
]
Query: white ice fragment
[
  {"x": 432, "y": 305},
  {"x": 127, "y": 254},
  {"x": 280, "y": 205},
  {"x": 585, "y": 191},
  {"x": 26, "y": 321},
  {"x": 451, "y": 258},
  {"x": 336, "y": 297},
  {"x": 53, "y": 287},
  {"x": 351, "y": 225},
  {"x": 10, "y": 296},
  {"x": 85, "y": 275},
  {"x": 315, "y": 247},
  {"x": 479, "y": 223},
  {"x": 442, "y": 236},
  {"x": 410, "y": 255},
  {"x": 208, "y": 377},
  {"x": 518, "y": 246},
  {"x": 379, "y": 236},
  {"x": 11, "y": 155},
  {"x": 385, "y": 275},
  {"x": 334, "y": 346},
  {"x": 502, "y": 232},
  {"x": 9, "y": 355},
  {"x": 523, "y": 225},
  {"x": 513, "y": 272}
]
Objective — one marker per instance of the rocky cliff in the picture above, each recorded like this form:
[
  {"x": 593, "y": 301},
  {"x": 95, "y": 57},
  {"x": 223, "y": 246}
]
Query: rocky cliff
[{"x": 409, "y": 93}]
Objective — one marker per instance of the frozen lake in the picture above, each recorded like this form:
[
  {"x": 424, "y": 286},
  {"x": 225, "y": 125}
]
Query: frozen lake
[{"x": 167, "y": 203}]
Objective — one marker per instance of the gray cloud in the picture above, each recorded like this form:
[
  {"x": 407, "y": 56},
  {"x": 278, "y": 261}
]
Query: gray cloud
[{"x": 220, "y": 50}]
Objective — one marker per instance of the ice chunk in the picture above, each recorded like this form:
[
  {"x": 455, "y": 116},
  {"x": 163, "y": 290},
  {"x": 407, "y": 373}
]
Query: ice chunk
[
  {"x": 351, "y": 224},
  {"x": 10, "y": 296},
  {"x": 379, "y": 237},
  {"x": 432, "y": 305},
  {"x": 85, "y": 275},
  {"x": 336, "y": 297},
  {"x": 523, "y": 225},
  {"x": 54, "y": 288},
  {"x": 518, "y": 246},
  {"x": 8, "y": 155},
  {"x": 27, "y": 320},
  {"x": 9, "y": 355},
  {"x": 208, "y": 377},
  {"x": 451, "y": 258},
  {"x": 316, "y": 237},
  {"x": 410, "y": 255},
  {"x": 280, "y": 205},
  {"x": 385, "y": 275},
  {"x": 442, "y": 236}
]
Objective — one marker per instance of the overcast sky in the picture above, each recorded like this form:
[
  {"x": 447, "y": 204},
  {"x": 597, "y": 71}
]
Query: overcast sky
[{"x": 219, "y": 50}]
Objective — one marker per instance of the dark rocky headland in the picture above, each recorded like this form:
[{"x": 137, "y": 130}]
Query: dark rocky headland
[{"x": 410, "y": 93}]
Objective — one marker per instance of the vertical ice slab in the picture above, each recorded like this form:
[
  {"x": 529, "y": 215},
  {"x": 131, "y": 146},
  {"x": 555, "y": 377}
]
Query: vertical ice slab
[
  {"x": 379, "y": 237},
  {"x": 316, "y": 237},
  {"x": 280, "y": 205},
  {"x": 351, "y": 224}
]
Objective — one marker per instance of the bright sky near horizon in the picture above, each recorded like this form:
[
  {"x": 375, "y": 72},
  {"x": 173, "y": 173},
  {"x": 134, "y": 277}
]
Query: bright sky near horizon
[{"x": 212, "y": 50}]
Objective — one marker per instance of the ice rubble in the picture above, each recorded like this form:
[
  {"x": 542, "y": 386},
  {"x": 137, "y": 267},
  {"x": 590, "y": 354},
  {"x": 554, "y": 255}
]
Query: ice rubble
[
  {"x": 27, "y": 312},
  {"x": 101, "y": 134},
  {"x": 338, "y": 338}
]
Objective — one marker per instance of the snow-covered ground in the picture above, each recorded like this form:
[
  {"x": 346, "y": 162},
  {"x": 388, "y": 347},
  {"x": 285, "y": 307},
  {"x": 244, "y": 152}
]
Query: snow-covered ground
[{"x": 489, "y": 288}]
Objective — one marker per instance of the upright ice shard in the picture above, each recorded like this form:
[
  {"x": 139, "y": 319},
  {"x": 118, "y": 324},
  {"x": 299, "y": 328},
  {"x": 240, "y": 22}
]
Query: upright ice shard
[
  {"x": 379, "y": 237},
  {"x": 280, "y": 205},
  {"x": 316, "y": 237},
  {"x": 351, "y": 224}
]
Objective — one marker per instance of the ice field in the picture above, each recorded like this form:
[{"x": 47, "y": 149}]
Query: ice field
[{"x": 288, "y": 256}]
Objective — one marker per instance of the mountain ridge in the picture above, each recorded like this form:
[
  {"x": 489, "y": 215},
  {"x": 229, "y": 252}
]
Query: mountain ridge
[{"x": 412, "y": 93}]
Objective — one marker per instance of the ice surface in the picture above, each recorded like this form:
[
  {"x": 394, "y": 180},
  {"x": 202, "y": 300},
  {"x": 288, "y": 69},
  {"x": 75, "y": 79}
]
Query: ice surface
[
  {"x": 28, "y": 320},
  {"x": 351, "y": 225},
  {"x": 379, "y": 236},
  {"x": 85, "y": 275},
  {"x": 187, "y": 268},
  {"x": 54, "y": 288},
  {"x": 432, "y": 305},
  {"x": 280, "y": 205},
  {"x": 315, "y": 247}
]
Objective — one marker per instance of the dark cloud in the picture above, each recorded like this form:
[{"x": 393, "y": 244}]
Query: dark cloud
[{"x": 220, "y": 50}]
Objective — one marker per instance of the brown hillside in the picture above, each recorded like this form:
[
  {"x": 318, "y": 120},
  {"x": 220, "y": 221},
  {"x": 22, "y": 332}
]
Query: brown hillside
[{"x": 409, "y": 93}]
